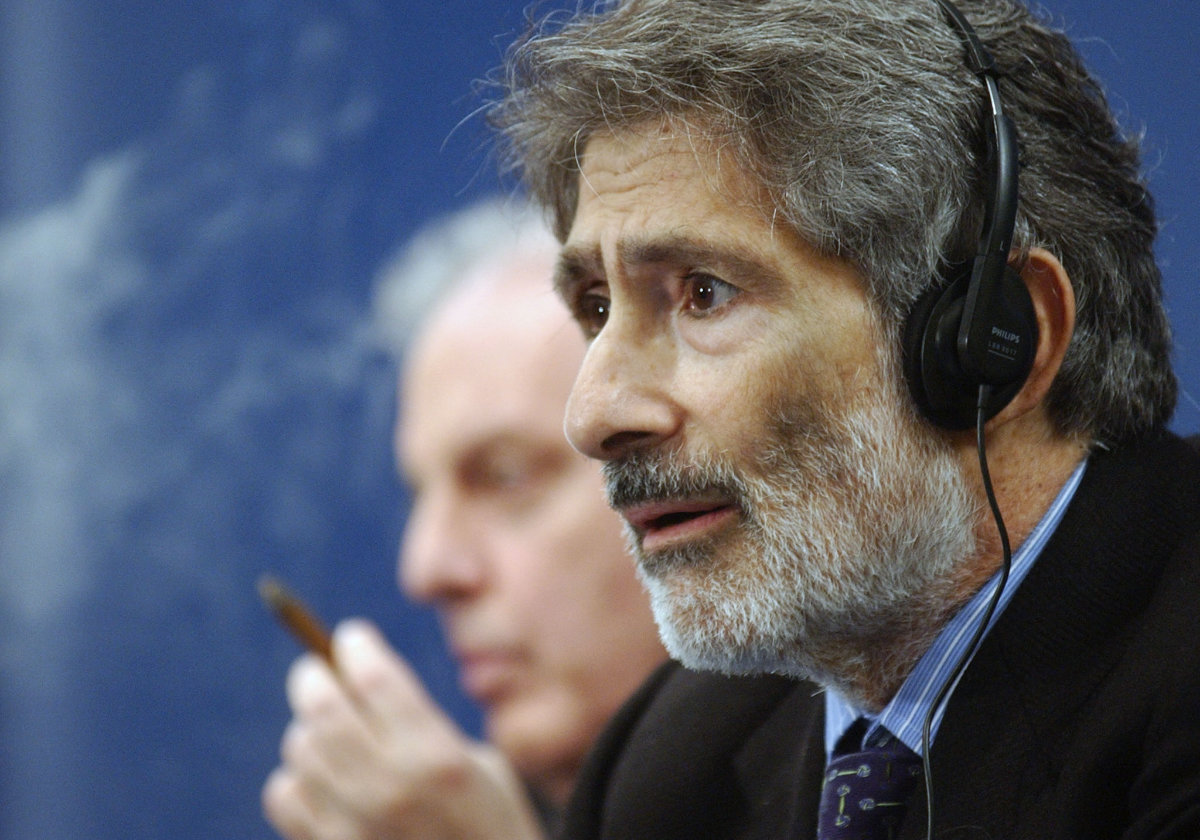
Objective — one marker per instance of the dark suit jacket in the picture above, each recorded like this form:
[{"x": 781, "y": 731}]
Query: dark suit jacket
[{"x": 1080, "y": 717}]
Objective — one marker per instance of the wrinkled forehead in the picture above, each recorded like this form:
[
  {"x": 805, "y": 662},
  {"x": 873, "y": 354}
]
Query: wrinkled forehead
[
  {"x": 716, "y": 150},
  {"x": 666, "y": 173}
]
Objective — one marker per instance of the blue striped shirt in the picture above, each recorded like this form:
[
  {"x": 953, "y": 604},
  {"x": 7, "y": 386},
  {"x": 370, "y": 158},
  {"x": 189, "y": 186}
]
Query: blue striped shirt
[{"x": 904, "y": 716}]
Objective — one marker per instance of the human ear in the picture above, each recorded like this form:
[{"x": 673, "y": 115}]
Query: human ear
[{"x": 1054, "y": 308}]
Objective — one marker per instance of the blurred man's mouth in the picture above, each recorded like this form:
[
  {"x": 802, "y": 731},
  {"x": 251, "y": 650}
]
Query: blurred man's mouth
[{"x": 487, "y": 675}]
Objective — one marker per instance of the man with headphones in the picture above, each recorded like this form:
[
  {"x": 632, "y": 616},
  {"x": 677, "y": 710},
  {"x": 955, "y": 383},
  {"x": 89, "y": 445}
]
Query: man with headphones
[{"x": 879, "y": 373}]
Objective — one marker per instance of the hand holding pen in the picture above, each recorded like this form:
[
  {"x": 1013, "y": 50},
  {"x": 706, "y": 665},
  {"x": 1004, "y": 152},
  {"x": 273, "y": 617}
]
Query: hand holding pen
[{"x": 368, "y": 754}]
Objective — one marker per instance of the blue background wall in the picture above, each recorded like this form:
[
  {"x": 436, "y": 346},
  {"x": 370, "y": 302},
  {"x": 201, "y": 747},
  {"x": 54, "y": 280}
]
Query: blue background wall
[{"x": 195, "y": 199}]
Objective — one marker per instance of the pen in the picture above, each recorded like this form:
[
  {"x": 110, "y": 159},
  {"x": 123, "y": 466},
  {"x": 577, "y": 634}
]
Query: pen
[{"x": 295, "y": 617}]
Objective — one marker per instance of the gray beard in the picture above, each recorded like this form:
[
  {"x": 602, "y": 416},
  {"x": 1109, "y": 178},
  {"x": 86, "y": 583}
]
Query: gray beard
[{"x": 855, "y": 531}]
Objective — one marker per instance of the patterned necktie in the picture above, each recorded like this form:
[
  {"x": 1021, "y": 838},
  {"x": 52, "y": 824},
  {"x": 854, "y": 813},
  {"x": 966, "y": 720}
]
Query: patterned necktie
[{"x": 866, "y": 793}]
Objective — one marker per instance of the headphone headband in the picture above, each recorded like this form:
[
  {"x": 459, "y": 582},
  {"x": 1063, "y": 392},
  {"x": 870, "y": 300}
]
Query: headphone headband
[
  {"x": 1000, "y": 212},
  {"x": 979, "y": 329}
]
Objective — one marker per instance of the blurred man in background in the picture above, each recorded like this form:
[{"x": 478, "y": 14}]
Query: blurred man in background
[{"x": 509, "y": 536}]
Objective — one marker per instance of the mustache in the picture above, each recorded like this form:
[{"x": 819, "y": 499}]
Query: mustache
[{"x": 656, "y": 475}]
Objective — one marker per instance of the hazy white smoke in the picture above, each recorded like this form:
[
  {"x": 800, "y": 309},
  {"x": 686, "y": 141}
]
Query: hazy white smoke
[{"x": 188, "y": 394}]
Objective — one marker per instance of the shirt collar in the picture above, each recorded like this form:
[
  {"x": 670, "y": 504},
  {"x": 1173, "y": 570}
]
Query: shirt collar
[{"x": 905, "y": 715}]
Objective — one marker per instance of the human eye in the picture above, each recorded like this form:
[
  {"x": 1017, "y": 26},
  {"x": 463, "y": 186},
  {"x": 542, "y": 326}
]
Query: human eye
[
  {"x": 504, "y": 474},
  {"x": 515, "y": 478},
  {"x": 704, "y": 294},
  {"x": 590, "y": 309}
]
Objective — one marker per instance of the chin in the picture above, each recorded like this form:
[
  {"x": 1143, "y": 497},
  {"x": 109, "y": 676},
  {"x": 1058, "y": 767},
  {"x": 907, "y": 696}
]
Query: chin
[
  {"x": 722, "y": 634},
  {"x": 540, "y": 739}
]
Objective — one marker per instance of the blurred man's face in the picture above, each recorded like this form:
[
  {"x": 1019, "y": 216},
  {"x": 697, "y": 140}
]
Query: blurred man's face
[
  {"x": 509, "y": 534},
  {"x": 785, "y": 505}
]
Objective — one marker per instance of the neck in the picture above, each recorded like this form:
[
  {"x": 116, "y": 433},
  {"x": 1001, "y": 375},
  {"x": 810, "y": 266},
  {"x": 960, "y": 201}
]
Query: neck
[
  {"x": 1027, "y": 471},
  {"x": 869, "y": 670},
  {"x": 1028, "y": 465}
]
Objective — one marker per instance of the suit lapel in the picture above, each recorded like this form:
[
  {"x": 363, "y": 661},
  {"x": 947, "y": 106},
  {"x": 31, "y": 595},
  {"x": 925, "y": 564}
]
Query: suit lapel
[
  {"x": 998, "y": 752},
  {"x": 780, "y": 767}
]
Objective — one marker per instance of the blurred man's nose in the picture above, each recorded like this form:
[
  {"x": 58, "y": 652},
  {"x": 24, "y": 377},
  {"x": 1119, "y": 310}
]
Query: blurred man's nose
[{"x": 439, "y": 559}]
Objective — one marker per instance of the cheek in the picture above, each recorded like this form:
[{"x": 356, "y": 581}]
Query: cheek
[
  {"x": 589, "y": 585},
  {"x": 814, "y": 368},
  {"x": 725, "y": 334},
  {"x": 731, "y": 406}
]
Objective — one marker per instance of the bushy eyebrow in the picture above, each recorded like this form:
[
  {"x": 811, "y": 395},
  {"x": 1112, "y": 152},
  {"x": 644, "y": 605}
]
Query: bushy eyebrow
[
  {"x": 574, "y": 265},
  {"x": 577, "y": 263},
  {"x": 683, "y": 250}
]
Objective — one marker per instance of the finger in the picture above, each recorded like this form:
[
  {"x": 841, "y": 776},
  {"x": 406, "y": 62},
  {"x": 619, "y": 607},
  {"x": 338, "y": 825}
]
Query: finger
[
  {"x": 328, "y": 738},
  {"x": 313, "y": 688},
  {"x": 298, "y": 813},
  {"x": 320, "y": 697},
  {"x": 383, "y": 683},
  {"x": 286, "y": 806}
]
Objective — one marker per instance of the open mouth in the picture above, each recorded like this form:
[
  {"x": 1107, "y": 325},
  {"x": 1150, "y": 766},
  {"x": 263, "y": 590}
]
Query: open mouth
[
  {"x": 661, "y": 523},
  {"x": 668, "y": 520}
]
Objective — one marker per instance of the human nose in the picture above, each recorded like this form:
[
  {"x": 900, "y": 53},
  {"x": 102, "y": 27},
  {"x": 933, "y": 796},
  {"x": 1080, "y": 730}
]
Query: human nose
[
  {"x": 439, "y": 560},
  {"x": 619, "y": 402}
]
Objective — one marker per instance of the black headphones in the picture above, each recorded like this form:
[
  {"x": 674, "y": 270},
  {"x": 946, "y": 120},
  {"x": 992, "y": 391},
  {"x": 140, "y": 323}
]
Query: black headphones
[{"x": 977, "y": 325}]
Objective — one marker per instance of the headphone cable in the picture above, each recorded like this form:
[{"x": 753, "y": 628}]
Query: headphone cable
[{"x": 960, "y": 667}]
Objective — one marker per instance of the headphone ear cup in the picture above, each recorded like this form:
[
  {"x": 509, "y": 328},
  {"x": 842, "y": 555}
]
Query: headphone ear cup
[{"x": 944, "y": 393}]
